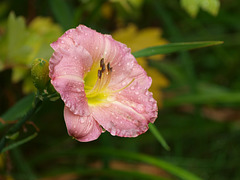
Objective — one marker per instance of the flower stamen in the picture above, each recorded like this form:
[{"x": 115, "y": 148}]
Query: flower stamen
[{"x": 103, "y": 80}]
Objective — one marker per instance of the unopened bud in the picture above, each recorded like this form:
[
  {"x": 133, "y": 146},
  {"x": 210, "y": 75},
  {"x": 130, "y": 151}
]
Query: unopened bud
[{"x": 40, "y": 73}]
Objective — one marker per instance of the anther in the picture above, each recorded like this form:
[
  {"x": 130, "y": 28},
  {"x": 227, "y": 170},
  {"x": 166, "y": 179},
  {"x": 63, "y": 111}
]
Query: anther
[
  {"x": 103, "y": 68},
  {"x": 99, "y": 74},
  {"x": 102, "y": 62},
  {"x": 108, "y": 67}
]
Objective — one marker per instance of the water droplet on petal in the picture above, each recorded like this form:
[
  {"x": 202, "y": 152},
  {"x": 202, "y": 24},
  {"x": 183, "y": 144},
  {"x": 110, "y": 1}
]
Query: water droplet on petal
[
  {"x": 136, "y": 92},
  {"x": 132, "y": 87},
  {"x": 111, "y": 98},
  {"x": 113, "y": 132},
  {"x": 140, "y": 108},
  {"x": 82, "y": 120},
  {"x": 151, "y": 100},
  {"x": 124, "y": 83}
]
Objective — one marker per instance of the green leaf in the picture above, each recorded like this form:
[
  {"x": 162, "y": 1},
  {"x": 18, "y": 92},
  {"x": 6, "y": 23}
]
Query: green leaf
[
  {"x": 174, "y": 47},
  {"x": 211, "y": 6},
  {"x": 174, "y": 170},
  {"x": 19, "y": 109},
  {"x": 158, "y": 136},
  {"x": 111, "y": 173},
  {"x": 207, "y": 98},
  {"x": 18, "y": 143},
  {"x": 62, "y": 13},
  {"x": 192, "y": 6},
  {"x": 16, "y": 39}
]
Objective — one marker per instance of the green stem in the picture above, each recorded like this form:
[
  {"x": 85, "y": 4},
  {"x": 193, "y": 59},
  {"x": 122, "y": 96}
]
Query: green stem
[{"x": 15, "y": 128}]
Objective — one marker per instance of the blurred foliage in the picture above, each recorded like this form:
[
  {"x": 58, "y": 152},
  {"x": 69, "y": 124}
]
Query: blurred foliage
[
  {"x": 199, "y": 119},
  {"x": 193, "y": 6},
  {"x": 21, "y": 44}
]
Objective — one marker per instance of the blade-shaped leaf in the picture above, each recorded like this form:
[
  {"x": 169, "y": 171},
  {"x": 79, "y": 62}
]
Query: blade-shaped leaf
[
  {"x": 174, "y": 47},
  {"x": 158, "y": 136},
  {"x": 206, "y": 98},
  {"x": 19, "y": 109},
  {"x": 127, "y": 155},
  {"x": 18, "y": 143}
]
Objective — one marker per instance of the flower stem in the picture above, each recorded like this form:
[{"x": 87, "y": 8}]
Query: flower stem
[{"x": 15, "y": 128}]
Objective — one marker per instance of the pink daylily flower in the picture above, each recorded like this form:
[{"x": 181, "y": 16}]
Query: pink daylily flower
[{"x": 101, "y": 84}]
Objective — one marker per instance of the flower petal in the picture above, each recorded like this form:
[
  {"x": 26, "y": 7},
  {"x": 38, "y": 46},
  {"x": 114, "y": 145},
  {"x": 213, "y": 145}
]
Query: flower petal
[
  {"x": 120, "y": 119},
  {"x": 103, "y": 46},
  {"x": 83, "y": 129},
  {"x": 129, "y": 111},
  {"x": 67, "y": 68}
]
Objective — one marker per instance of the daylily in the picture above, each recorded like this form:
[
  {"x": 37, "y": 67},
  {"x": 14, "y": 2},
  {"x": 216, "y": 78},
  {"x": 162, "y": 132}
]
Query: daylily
[{"x": 101, "y": 84}]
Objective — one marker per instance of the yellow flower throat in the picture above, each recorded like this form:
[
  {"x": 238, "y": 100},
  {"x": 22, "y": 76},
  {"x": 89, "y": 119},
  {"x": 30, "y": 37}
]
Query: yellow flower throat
[
  {"x": 97, "y": 81},
  {"x": 96, "y": 93}
]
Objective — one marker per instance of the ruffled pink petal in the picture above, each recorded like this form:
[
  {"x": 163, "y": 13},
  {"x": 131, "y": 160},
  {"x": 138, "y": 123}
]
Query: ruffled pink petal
[
  {"x": 67, "y": 67},
  {"x": 129, "y": 111},
  {"x": 102, "y": 46},
  {"x": 125, "y": 113},
  {"x": 120, "y": 119},
  {"x": 137, "y": 94},
  {"x": 83, "y": 129}
]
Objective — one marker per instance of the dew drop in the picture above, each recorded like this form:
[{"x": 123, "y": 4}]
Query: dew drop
[
  {"x": 119, "y": 64},
  {"x": 140, "y": 108},
  {"x": 82, "y": 120},
  {"x": 132, "y": 87},
  {"x": 111, "y": 98},
  {"x": 151, "y": 100},
  {"x": 113, "y": 132},
  {"x": 124, "y": 83},
  {"x": 136, "y": 92}
]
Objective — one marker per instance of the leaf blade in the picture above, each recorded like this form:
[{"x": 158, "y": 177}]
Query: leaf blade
[
  {"x": 18, "y": 143},
  {"x": 19, "y": 109},
  {"x": 173, "y": 47},
  {"x": 158, "y": 136}
]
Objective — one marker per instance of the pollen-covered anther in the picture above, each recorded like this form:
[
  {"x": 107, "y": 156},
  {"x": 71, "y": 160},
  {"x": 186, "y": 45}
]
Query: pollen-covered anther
[
  {"x": 103, "y": 68},
  {"x": 99, "y": 74},
  {"x": 109, "y": 68}
]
